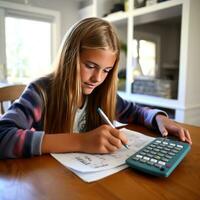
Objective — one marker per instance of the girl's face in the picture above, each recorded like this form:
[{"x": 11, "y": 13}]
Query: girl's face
[{"x": 95, "y": 66}]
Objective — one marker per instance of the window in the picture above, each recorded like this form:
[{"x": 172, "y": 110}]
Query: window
[
  {"x": 28, "y": 49},
  {"x": 29, "y": 38},
  {"x": 145, "y": 57}
]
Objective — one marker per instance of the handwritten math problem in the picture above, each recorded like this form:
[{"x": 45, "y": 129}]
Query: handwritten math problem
[{"x": 85, "y": 163}]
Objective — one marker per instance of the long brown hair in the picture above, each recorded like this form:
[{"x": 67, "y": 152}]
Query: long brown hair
[{"x": 64, "y": 91}]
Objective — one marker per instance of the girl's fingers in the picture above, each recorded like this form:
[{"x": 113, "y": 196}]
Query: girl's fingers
[
  {"x": 111, "y": 148},
  {"x": 115, "y": 141},
  {"x": 164, "y": 132},
  {"x": 161, "y": 128},
  {"x": 120, "y": 136},
  {"x": 187, "y": 137},
  {"x": 165, "y": 125},
  {"x": 181, "y": 134}
]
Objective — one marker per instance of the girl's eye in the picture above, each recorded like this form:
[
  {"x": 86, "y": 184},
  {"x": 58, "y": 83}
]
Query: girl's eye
[
  {"x": 90, "y": 66},
  {"x": 107, "y": 70}
]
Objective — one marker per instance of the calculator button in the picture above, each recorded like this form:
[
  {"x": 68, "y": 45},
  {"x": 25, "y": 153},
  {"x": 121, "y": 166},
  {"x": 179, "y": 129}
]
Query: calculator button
[
  {"x": 158, "y": 165},
  {"x": 146, "y": 150},
  {"x": 171, "y": 154},
  {"x": 174, "y": 151},
  {"x": 177, "y": 148},
  {"x": 167, "y": 149},
  {"x": 135, "y": 158},
  {"x": 180, "y": 146},
  {"x": 163, "y": 151},
  {"x": 165, "y": 159},
  {"x": 143, "y": 160},
  {"x": 149, "y": 148},
  {"x": 172, "y": 144},
  {"x": 161, "y": 154},
  {"x": 139, "y": 156},
  {"x": 153, "y": 152},
  {"x": 168, "y": 156},
  {"x": 158, "y": 141},
  {"x": 165, "y": 143},
  {"x": 150, "y": 163},
  {"x": 157, "y": 157},
  {"x": 161, "y": 162},
  {"x": 146, "y": 158},
  {"x": 143, "y": 153},
  {"x": 168, "y": 165},
  {"x": 153, "y": 160},
  {"x": 162, "y": 145}
]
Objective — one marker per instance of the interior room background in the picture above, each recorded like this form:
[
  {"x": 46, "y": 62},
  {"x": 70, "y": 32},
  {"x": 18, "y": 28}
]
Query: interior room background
[{"x": 160, "y": 46}]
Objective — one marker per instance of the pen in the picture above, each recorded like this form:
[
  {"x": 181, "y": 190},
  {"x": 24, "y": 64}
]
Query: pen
[{"x": 107, "y": 121}]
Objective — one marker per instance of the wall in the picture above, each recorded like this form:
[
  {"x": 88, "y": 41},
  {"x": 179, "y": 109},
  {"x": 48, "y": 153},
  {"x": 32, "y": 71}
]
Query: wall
[{"x": 68, "y": 10}]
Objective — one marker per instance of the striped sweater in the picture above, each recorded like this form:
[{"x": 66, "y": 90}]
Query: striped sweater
[{"x": 21, "y": 127}]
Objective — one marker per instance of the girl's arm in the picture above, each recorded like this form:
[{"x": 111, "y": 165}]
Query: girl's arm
[
  {"x": 18, "y": 137},
  {"x": 103, "y": 139},
  {"x": 129, "y": 112},
  {"x": 61, "y": 142}
]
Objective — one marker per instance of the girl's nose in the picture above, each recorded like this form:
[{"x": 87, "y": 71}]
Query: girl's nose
[{"x": 96, "y": 76}]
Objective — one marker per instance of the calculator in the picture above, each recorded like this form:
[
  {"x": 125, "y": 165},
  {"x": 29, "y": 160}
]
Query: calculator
[{"x": 160, "y": 157}]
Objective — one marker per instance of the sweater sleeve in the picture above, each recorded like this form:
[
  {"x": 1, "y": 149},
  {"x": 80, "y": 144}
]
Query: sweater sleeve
[
  {"x": 129, "y": 112},
  {"x": 20, "y": 127}
]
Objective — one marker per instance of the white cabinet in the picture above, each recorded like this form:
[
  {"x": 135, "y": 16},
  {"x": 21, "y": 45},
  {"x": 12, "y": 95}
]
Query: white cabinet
[{"x": 165, "y": 39}]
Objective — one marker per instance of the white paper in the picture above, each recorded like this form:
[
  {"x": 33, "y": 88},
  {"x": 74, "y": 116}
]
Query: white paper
[
  {"x": 94, "y": 176},
  {"x": 92, "y": 167}
]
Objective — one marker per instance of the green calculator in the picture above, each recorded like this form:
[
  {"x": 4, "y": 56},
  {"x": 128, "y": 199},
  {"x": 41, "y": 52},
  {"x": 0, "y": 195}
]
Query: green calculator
[{"x": 160, "y": 157}]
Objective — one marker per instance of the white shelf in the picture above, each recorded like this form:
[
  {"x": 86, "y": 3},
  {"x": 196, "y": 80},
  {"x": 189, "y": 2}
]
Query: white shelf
[
  {"x": 167, "y": 5},
  {"x": 152, "y": 14},
  {"x": 117, "y": 18},
  {"x": 151, "y": 100}
]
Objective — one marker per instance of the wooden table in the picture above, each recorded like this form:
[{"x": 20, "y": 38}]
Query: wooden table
[{"x": 44, "y": 178}]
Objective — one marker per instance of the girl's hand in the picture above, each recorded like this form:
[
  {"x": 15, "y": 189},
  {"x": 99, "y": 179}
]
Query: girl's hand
[
  {"x": 103, "y": 139},
  {"x": 167, "y": 126}
]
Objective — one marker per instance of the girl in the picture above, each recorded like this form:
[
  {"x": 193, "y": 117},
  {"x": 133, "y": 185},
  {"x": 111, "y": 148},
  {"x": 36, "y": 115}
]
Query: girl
[{"x": 53, "y": 108}]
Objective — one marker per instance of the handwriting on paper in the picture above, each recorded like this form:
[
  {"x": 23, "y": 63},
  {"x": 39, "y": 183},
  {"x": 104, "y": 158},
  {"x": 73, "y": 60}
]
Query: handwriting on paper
[{"x": 83, "y": 162}]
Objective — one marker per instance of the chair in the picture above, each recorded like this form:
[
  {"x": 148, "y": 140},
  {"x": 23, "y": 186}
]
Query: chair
[{"x": 9, "y": 93}]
